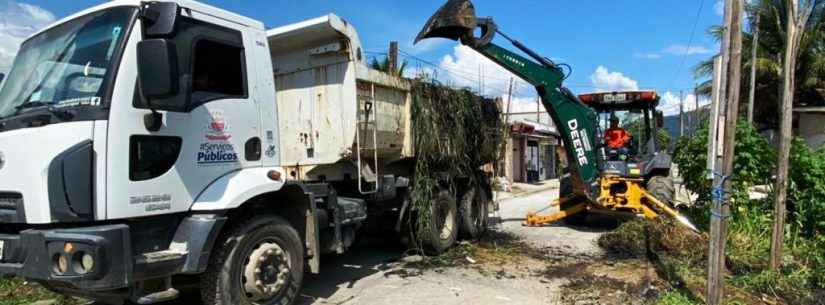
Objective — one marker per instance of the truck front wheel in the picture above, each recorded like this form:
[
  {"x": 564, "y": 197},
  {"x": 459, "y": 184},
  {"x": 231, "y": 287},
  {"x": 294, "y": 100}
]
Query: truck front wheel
[{"x": 260, "y": 262}]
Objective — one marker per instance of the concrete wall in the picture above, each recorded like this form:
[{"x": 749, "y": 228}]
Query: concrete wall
[{"x": 811, "y": 128}]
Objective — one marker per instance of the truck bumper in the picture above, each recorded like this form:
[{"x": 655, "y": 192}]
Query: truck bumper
[{"x": 57, "y": 256}]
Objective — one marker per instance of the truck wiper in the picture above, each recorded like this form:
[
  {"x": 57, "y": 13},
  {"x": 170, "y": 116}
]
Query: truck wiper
[
  {"x": 60, "y": 113},
  {"x": 33, "y": 104}
]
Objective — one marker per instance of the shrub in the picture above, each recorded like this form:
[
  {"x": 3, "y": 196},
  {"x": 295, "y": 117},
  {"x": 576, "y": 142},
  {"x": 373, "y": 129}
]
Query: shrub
[{"x": 752, "y": 164}]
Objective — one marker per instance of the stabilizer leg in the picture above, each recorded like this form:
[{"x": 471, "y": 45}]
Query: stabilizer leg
[
  {"x": 535, "y": 220},
  {"x": 669, "y": 211}
]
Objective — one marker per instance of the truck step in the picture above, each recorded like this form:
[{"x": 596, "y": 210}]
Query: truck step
[
  {"x": 160, "y": 256},
  {"x": 160, "y": 296}
]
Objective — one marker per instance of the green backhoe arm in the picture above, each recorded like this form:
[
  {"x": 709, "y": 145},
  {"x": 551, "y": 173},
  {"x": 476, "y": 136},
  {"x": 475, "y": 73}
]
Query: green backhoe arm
[{"x": 575, "y": 121}]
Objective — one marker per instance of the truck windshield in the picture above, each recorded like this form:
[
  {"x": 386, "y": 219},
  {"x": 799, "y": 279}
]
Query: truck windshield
[{"x": 68, "y": 65}]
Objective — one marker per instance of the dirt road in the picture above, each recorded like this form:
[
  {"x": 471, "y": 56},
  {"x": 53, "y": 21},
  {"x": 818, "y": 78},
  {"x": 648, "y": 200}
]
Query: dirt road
[{"x": 375, "y": 275}]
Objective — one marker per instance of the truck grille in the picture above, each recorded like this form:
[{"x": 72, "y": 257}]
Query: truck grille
[{"x": 11, "y": 208}]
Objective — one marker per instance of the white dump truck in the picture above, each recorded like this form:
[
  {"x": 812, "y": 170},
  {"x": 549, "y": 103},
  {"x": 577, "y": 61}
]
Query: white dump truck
[{"x": 145, "y": 145}]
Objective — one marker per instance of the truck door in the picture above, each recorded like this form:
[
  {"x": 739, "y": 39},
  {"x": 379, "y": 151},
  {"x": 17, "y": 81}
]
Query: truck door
[{"x": 216, "y": 134}]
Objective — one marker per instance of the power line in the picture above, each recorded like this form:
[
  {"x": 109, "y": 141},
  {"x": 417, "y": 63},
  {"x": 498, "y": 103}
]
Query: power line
[
  {"x": 455, "y": 72},
  {"x": 690, "y": 42}
]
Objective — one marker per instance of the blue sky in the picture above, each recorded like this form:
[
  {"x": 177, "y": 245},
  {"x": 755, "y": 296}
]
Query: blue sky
[{"x": 619, "y": 44}]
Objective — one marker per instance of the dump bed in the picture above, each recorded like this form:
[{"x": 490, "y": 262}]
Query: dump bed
[{"x": 331, "y": 105}]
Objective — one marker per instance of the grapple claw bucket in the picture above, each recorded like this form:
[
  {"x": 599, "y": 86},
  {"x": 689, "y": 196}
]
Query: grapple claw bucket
[{"x": 455, "y": 20}]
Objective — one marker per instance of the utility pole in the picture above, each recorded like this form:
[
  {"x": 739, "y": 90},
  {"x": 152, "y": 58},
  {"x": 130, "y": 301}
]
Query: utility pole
[
  {"x": 797, "y": 20},
  {"x": 754, "y": 57},
  {"x": 681, "y": 114},
  {"x": 720, "y": 210},
  {"x": 538, "y": 109},
  {"x": 697, "y": 115},
  {"x": 509, "y": 99},
  {"x": 393, "y": 58}
]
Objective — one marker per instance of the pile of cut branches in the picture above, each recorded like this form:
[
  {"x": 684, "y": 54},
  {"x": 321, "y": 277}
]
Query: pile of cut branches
[{"x": 455, "y": 132}]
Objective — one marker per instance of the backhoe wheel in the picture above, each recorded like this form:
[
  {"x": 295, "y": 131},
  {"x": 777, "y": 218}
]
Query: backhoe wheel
[
  {"x": 473, "y": 213},
  {"x": 260, "y": 262},
  {"x": 443, "y": 225},
  {"x": 566, "y": 188},
  {"x": 662, "y": 188}
]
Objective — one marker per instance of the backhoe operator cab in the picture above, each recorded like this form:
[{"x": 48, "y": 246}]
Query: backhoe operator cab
[
  {"x": 628, "y": 172},
  {"x": 635, "y": 111}
]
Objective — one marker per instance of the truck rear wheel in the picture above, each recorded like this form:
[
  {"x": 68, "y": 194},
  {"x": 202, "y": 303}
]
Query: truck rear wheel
[
  {"x": 260, "y": 262},
  {"x": 473, "y": 213},
  {"x": 443, "y": 226}
]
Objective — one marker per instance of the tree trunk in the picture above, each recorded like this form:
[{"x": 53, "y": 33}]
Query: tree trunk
[
  {"x": 797, "y": 20},
  {"x": 754, "y": 58},
  {"x": 785, "y": 130}
]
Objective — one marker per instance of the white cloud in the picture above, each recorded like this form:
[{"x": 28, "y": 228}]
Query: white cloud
[
  {"x": 17, "y": 21},
  {"x": 464, "y": 67},
  {"x": 678, "y": 49},
  {"x": 670, "y": 103},
  {"x": 647, "y": 55},
  {"x": 719, "y": 7},
  {"x": 604, "y": 81}
]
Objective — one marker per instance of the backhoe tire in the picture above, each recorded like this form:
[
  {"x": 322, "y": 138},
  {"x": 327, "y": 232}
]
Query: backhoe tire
[
  {"x": 662, "y": 188},
  {"x": 566, "y": 188},
  {"x": 473, "y": 213},
  {"x": 260, "y": 261},
  {"x": 442, "y": 229}
]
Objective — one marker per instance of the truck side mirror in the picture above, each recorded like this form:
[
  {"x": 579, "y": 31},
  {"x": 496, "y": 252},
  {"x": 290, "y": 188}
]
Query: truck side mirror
[
  {"x": 660, "y": 119},
  {"x": 160, "y": 18},
  {"x": 2, "y": 76},
  {"x": 158, "y": 71}
]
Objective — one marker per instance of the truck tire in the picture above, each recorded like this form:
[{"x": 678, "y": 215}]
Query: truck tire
[
  {"x": 442, "y": 230},
  {"x": 473, "y": 213},
  {"x": 662, "y": 188},
  {"x": 259, "y": 262},
  {"x": 565, "y": 188}
]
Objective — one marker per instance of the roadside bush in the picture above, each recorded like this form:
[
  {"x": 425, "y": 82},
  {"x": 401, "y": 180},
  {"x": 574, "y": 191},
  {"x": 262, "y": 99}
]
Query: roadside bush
[
  {"x": 752, "y": 164},
  {"x": 802, "y": 276}
]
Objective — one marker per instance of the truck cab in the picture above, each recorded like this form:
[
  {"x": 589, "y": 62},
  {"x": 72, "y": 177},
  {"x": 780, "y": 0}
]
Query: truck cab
[
  {"x": 128, "y": 132},
  {"x": 141, "y": 145}
]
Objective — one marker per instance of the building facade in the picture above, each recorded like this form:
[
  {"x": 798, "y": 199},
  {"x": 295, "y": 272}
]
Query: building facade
[{"x": 532, "y": 149}]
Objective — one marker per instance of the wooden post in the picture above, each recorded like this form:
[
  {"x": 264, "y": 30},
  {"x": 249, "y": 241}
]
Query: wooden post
[
  {"x": 720, "y": 208},
  {"x": 681, "y": 114},
  {"x": 697, "y": 117},
  {"x": 393, "y": 58},
  {"x": 754, "y": 57},
  {"x": 714, "y": 115},
  {"x": 797, "y": 21}
]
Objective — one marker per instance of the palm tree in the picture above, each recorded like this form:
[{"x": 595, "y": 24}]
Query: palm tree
[
  {"x": 810, "y": 69},
  {"x": 384, "y": 66}
]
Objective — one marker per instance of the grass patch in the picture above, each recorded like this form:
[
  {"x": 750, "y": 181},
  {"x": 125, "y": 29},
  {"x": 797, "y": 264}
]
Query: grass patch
[
  {"x": 16, "y": 291},
  {"x": 680, "y": 258},
  {"x": 675, "y": 298}
]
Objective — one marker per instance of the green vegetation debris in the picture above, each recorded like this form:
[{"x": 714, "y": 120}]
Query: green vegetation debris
[{"x": 455, "y": 133}]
